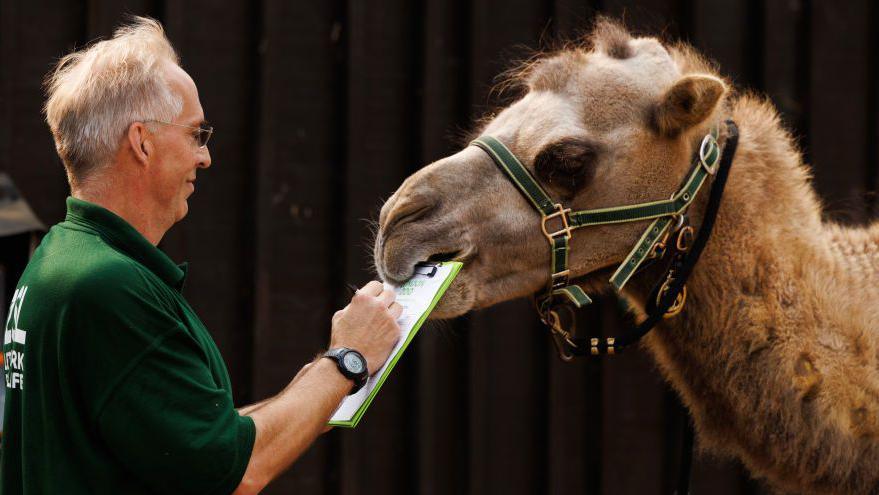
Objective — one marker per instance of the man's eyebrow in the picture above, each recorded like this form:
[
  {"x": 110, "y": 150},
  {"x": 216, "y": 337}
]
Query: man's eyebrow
[{"x": 198, "y": 123}]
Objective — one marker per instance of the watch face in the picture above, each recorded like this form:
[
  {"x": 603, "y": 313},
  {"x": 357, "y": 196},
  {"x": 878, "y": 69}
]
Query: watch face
[{"x": 353, "y": 362}]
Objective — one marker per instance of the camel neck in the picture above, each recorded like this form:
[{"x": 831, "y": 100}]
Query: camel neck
[
  {"x": 768, "y": 224},
  {"x": 778, "y": 307}
]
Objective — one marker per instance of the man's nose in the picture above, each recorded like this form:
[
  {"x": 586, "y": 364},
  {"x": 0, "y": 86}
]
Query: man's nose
[{"x": 205, "y": 158}]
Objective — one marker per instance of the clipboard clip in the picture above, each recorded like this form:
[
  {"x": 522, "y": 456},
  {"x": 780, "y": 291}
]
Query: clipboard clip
[{"x": 426, "y": 269}]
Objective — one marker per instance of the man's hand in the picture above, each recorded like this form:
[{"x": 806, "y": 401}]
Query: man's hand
[
  {"x": 368, "y": 324},
  {"x": 288, "y": 423}
]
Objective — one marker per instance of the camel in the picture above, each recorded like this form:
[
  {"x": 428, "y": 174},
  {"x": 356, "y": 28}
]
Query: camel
[{"x": 775, "y": 351}]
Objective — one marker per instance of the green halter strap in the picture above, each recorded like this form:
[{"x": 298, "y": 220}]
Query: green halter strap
[
  {"x": 549, "y": 210},
  {"x": 663, "y": 214}
]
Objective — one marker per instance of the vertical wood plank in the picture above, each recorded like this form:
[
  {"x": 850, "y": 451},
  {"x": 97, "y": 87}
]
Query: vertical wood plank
[
  {"x": 383, "y": 147},
  {"x": 218, "y": 239},
  {"x": 297, "y": 219},
  {"x": 664, "y": 18},
  {"x": 873, "y": 121},
  {"x": 507, "y": 348},
  {"x": 634, "y": 415},
  {"x": 32, "y": 38},
  {"x": 104, "y": 16},
  {"x": 719, "y": 31},
  {"x": 571, "y": 18},
  {"x": 785, "y": 59},
  {"x": 442, "y": 441},
  {"x": 573, "y": 451},
  {"x": 839, "y": 90},
  {"x": 635, "y": 443}
]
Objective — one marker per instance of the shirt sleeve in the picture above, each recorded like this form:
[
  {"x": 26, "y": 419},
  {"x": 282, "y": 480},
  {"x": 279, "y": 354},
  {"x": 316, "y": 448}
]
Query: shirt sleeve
[{"x": 170, "y": 426}]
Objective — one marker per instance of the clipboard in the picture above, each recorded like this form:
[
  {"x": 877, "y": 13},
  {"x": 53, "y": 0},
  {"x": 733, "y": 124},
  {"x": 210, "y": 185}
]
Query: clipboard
[{"x": 418, "y": 296}]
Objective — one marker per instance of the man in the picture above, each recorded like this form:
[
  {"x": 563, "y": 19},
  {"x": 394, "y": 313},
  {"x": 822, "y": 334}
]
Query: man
[{"x": 115, "y": 386}]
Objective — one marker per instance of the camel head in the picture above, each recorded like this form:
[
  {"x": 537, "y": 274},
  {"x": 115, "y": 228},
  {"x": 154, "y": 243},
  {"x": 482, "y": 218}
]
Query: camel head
[{"x": 611, "y": 122}]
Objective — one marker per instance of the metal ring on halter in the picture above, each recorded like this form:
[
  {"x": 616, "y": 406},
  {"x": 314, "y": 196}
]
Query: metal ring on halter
[
  {"x": 681, "y": 219},
  {"x": 561, "y": 338},
  {"x": 704, "y": 150},
  {"x": 678, "y": 304},
  {"x": 685, "y": 238}
]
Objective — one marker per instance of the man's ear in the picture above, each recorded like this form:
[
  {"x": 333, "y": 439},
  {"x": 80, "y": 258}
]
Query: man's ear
[
  {"x": 690, "y": 101},
  {"x": 140, "y": 140}
]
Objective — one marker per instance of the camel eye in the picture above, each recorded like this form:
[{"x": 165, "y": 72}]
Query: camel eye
[{"x": 567, "y": 165}]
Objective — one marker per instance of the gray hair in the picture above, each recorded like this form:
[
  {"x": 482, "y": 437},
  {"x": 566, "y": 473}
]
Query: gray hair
[{"x": 94, "y": 94}]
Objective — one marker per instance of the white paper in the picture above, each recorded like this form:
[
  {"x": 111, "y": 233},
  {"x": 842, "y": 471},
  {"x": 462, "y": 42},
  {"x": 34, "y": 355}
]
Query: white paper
[{"x": 415, "y": 295}]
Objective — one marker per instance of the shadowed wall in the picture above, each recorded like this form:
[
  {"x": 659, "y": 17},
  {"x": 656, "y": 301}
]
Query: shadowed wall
[{"x": 321, "y": 108}]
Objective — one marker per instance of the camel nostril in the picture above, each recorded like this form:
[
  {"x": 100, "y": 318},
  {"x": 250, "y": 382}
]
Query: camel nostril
[{"x": 407, "y": 216}]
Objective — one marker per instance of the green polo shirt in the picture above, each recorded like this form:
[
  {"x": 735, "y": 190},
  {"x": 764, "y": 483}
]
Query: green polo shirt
[{"x": 113, "y": 383}]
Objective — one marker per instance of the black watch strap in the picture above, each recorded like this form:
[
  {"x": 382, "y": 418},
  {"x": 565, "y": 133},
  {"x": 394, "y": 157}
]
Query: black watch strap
[{"x": 358, "y": 377}]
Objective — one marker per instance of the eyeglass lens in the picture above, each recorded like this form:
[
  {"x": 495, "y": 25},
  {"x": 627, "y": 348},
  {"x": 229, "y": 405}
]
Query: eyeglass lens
[{"x": 204, "y": 135}]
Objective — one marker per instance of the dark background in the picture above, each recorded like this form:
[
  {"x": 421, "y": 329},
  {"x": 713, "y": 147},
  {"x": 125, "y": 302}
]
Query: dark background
[{"x": 322, "y": 108}]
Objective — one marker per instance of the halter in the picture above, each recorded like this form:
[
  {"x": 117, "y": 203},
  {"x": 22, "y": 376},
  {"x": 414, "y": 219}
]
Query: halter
[{"x": 669, "y": 217}]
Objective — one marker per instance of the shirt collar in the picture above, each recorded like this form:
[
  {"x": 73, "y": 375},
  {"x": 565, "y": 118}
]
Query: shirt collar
[{"x": 126, "y": 238}]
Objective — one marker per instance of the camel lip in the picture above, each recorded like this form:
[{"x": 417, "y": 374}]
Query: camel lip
[
  {"x": 462, "y": 255},
  {"x": 441, "y": 257}
]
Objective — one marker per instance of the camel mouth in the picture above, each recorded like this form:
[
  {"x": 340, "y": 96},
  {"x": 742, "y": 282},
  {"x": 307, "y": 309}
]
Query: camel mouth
[
  {"x": 458, "y": 299},
  {"x": 462, "y": 255},
  {"x": 442, "y": 257}
]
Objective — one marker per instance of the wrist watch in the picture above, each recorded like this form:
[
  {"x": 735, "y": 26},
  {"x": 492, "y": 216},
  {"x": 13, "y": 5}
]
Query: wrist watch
[{"x": 351, "y": 364}]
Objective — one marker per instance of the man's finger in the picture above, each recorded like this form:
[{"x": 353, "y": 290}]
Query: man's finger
[
  {"x": 373, "y": 288},
  {"x": 387, "y": 297},
  {"x": 396, "y": 310}
]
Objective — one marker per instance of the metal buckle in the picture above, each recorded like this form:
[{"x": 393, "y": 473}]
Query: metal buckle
[
  {"x": 562, "y": 213},
  {"x": 610, "y": 347},
  {"x": 678, "y": 304},
  {"x": 660, "y": 247},
  {"x": 685, "y": 239},
  {"x": 659, "y": 250},
  {"x": 681, "y": 220},
  {"x": 561, "y": 338},
  {"x": 559, "y": 280},
  {"x": 704, "y": 150}
]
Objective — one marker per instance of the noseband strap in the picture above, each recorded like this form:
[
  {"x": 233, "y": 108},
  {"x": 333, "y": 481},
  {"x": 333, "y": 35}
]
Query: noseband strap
[
  {"x": 549, "y": 211},
  {"x": 558, "y": 224}
]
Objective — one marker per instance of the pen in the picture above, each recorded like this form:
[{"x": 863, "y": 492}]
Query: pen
[{"x": 353, "y": 288}]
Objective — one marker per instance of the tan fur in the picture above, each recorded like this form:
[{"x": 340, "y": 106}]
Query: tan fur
[
  {"x": 690, "y": 101},
  {"x": 775, "y": 353}
]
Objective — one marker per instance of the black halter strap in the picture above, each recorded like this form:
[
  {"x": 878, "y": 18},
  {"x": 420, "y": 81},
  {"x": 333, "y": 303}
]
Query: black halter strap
[
  {"x": 669, "y": 289},
  {"x": 668, "y": 295}
]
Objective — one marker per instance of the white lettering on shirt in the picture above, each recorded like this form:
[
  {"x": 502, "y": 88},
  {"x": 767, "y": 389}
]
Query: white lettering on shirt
[{"x": 13, "y": 360}]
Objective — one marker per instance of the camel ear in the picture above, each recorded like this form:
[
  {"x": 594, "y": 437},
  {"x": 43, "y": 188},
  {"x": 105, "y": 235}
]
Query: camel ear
[{"x": 690, "y": 101}]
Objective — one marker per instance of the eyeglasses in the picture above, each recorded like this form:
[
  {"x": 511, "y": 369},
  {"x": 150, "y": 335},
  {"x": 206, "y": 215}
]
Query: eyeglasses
[{"x": 204, "y": 131}]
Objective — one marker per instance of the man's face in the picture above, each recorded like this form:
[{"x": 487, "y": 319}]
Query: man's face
[{"x": 177, "y": 153}]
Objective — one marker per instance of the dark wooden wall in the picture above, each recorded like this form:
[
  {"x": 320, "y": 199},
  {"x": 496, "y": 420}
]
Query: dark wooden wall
[{"x": 323, "y": 107}]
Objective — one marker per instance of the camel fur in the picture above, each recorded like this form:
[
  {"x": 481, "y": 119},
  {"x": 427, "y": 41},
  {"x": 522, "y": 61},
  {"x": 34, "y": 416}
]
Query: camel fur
[{"x": 776, "y": 353}]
